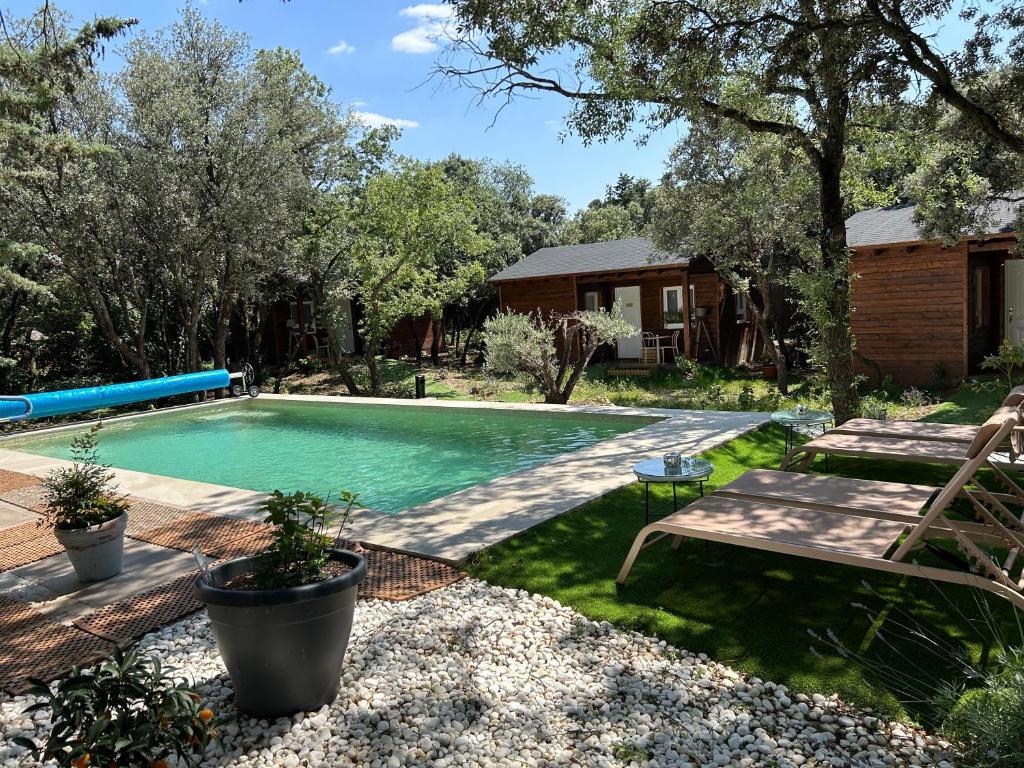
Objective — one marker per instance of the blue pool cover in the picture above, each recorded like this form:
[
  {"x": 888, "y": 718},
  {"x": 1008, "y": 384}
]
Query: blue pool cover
[{"x": 92, "y": 398}]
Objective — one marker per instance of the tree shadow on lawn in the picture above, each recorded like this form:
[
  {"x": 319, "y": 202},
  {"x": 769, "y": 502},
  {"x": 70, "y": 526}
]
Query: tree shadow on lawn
[{"x": 749, "y": 608}]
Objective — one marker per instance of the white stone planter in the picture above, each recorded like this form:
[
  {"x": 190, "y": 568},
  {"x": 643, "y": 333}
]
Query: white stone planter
[{"x": 97, "y": 552}]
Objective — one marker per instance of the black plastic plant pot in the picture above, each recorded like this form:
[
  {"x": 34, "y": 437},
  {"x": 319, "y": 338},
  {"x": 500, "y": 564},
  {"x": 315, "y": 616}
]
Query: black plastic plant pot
[{"x": 283, "y": 648}]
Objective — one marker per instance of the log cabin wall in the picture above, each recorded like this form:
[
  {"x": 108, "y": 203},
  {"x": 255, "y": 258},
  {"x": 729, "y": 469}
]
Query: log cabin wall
[{"x": 910, "y": 311}]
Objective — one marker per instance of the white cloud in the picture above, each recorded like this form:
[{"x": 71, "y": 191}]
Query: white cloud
[
  {"x": 431, "y": 19},
  {"x": 373, "y": 120},
  {"x": 341, "y": 47},
  {"x": 357, "y": 103}
]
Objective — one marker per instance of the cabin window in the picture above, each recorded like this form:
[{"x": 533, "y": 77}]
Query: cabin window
[
  {"x": 591, "y": 301},
  {"x": 741, "y": 306},
  {"x": 672, "y": 306},
  {"x": 981, "y": 315}
]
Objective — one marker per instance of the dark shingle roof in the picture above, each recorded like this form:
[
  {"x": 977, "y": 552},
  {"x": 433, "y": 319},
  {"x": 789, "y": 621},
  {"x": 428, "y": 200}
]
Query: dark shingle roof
[
  {"x": 895, "y": 224},
  {"x": 609, "y": 256}
]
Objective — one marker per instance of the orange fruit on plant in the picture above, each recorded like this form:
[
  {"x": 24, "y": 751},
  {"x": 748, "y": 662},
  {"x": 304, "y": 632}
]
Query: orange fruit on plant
[
  {"x": 82, "y": 761},
  {"x": 206, "y": 714}
]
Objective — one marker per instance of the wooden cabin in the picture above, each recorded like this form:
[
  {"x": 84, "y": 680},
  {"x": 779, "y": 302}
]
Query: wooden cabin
[
  {"x": 924, "y": 312},
  {"x": 677, "y": 299},
  {"x": 293, "y": 332}
]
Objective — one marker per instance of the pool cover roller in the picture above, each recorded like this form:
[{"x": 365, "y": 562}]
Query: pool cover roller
[{"x": 92, "y": 398}]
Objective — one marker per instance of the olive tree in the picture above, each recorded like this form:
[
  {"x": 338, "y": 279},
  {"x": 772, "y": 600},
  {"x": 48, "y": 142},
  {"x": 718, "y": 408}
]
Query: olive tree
[{"x": 552, "y": 349}]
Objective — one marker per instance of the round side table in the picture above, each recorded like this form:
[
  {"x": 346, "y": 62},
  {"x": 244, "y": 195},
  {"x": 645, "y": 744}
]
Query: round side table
[
  {"x": 791, "y": 420},
  {"x": 653, "y": 471}
]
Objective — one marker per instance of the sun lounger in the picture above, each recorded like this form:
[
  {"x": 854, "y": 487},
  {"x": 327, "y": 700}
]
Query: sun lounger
[
  {"x": 856, "y": 522},
  {"x": 923, "y": 430},
  {"x": 866, "y": 446}
]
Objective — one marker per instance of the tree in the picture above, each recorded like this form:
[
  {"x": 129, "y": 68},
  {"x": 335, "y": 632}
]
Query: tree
[
  {"x": 656, "y": 63},
  {"x": 553, "y": 350},
  {"x": 747, "y": 203},
  {"x": 42, "y": 65},
  {"x": 407, "y": 222}
]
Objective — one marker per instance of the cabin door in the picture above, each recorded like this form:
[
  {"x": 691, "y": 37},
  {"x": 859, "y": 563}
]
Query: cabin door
[
  {"x": 1015, "y": 300},
  {"x": 628, "y": 299}
]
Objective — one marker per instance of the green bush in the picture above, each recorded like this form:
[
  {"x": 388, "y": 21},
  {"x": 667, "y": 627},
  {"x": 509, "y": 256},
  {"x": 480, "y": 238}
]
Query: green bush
[
  {"x": 1008, "y": 361},
  {"x": 81, "y": 495},
  {"x": 127, "y": 712},
  {"x": 300, "y": 552},
  {"x": 986, "y": 721}
]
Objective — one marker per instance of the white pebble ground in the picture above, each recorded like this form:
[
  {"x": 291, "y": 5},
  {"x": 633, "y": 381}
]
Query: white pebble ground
[{"x": 476, "y": 675}]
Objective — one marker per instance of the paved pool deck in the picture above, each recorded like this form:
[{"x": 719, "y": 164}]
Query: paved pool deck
[{"x": 454, "y": 527}]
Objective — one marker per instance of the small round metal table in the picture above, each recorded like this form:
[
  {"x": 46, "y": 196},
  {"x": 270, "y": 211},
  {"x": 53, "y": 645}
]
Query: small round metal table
[
  {"x": 653, "y": 471},
  {"x": 791, "y": 420}
]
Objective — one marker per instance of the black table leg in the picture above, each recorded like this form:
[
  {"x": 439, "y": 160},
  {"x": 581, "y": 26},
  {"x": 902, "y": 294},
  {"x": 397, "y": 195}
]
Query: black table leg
[
  {"x": 647, "y": 503},
  {"x": 675, "y": 504}
]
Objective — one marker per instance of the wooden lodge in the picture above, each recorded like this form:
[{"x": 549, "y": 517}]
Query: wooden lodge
[
  {"x": 923, "y": 311},
  {"x": 680, "y": 301}
]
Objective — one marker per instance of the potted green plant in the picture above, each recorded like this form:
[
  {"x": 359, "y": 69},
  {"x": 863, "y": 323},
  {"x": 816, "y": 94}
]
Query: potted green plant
[
  {"x": 86, "y": 514},
  {"x": 769, "y": 370},
  {"x": 282, "y": 618},
  {"x": 127, "y": 712}
]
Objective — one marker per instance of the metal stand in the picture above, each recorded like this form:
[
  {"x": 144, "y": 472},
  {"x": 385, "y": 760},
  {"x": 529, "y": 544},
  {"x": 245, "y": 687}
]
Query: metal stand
[
  {"x": 675, "y": 501},
  {"x": 703, "y": 329}
]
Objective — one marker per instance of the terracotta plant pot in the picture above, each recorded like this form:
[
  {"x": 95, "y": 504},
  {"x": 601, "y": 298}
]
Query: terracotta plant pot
[
  {"x": 770, "y": 371},
  {"x": 97, "y": 552}
]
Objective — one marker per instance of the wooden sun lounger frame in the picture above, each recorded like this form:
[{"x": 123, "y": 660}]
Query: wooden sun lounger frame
[{"x": 1000, "y": 525}]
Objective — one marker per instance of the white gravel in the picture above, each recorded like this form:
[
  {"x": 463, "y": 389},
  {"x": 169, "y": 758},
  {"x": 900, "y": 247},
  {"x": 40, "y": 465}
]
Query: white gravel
[{"x": 477, "y": 675}]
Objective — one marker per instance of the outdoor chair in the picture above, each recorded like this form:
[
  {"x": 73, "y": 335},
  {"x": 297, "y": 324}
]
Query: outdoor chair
[
  {"x": 863, "y": 523},
  {"x": 677, "y": 353},
  {"x": 649, "y": 349}
]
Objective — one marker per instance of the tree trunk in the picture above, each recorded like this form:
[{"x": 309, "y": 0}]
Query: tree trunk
[
  {"x": 417, "y": 343},
  {"x": 435, "y": 341},
  {"x": 832, "y": 305}
]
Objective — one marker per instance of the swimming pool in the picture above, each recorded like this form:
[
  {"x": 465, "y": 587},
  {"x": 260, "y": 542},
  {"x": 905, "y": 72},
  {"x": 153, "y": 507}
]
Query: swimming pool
[{"x": 394, "y": 457}]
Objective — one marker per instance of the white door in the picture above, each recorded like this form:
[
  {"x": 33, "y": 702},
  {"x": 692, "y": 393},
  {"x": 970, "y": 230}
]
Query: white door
[
  {"x": 628, "y": 299},
  {"x": 1015, "y": 300}
]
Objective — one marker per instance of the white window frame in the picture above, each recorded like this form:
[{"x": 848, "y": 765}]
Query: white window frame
[
  {"x": 665, "y": 291},
  {"x": 586, "y": 300},
  {"x": 693, "y": 301}
]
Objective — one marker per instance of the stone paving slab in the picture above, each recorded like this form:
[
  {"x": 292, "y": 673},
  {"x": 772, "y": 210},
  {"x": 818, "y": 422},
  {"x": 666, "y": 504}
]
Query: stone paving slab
[
  {"x": 53, "y": 588},
  {"x": 11, "y": 515}
]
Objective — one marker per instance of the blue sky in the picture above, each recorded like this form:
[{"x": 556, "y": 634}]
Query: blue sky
[{"x": 381, "y": 58}]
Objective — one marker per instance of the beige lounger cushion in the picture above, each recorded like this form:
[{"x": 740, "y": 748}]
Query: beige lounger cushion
[
  {"x": 915, "y": 430},
  {"x": 894, "y": 448},
  {"x": 723, "y": 518},
  {"x": 988, "y": 430},
  {"x": 1015, "y": 398},
  {"x": 831, "y": 491}
]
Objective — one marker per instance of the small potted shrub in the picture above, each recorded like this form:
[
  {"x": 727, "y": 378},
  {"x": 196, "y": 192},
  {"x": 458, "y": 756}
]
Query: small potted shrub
[
  {"x": 769, "y": 370},
  {"x": 282, "y": 618},
  {"x": 87, "y": 516},
  {"x": 127, "y": 712}
]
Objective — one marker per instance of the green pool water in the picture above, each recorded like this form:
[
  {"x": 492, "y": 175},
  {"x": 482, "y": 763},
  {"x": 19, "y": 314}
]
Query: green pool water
[{"x": 394, "y": 456}]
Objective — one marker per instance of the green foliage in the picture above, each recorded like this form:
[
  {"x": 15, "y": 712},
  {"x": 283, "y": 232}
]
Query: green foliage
[
  {"x": 129, "y": 711},
  {"x": 985, "y": 721},
  {"x": 82, "y": 495},
  {"x": 553, "y": 350},
  {"x": 300, "y": 553},
  {"x": 1008, "y": 360},
  {"x": 408, "y": 222}
]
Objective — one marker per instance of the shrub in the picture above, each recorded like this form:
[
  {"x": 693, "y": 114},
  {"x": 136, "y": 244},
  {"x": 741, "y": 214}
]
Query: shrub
[
  {"x": 552, "y": 349},
  {"x": 127, "y": 712},
  {"x": 83, "y": 494},
  {"x": 300, "y": 553},
  {"x": 872, "y": 407},
  {"x": 915, "y": 398},
  {"x": 1008, "y": 361}
]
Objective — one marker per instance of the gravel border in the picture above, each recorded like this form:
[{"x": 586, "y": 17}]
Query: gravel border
[{"x": 477, "y": 675}]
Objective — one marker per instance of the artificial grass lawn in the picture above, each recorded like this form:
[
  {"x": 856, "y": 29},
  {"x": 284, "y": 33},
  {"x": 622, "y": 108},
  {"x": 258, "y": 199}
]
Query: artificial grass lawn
[{"x": 745, "y": 608}]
